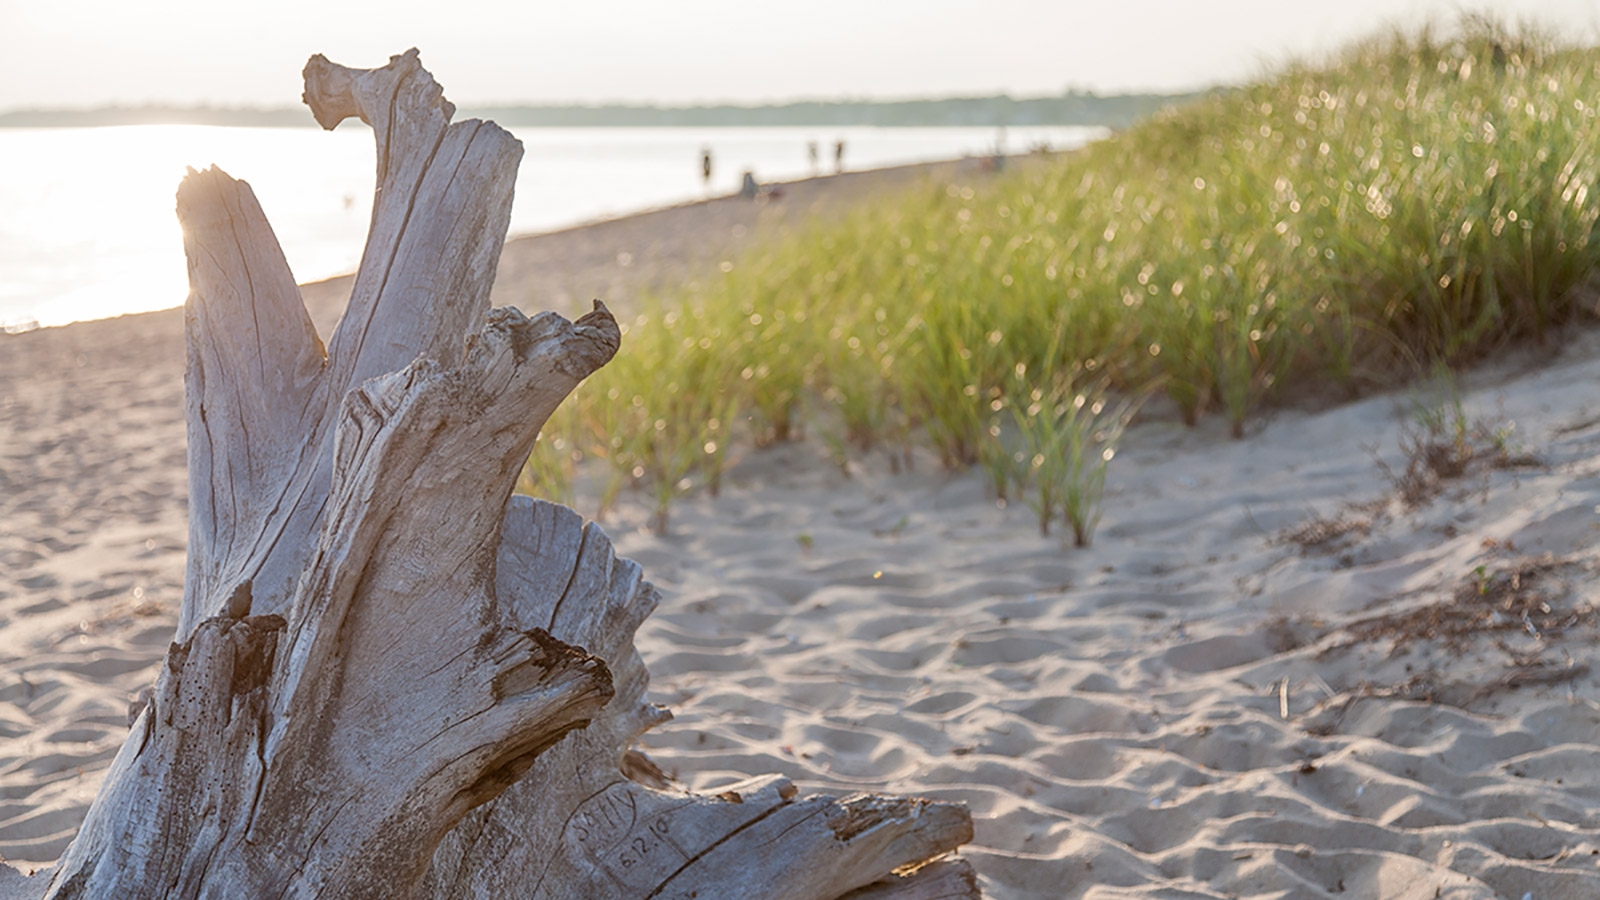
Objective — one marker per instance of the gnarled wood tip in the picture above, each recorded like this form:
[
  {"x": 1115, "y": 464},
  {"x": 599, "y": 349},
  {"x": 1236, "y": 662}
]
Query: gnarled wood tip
[
  {"x": 333, "y": 93},
  {"x": 330, "y": 91},
  {"x": 600, "y": 335}
]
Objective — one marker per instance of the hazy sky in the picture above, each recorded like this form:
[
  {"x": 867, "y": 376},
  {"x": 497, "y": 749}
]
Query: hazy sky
[{"x": 90, "y": 52}]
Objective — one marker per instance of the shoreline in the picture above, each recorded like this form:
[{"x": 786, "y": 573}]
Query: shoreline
[{"x": 715, "y": 228}]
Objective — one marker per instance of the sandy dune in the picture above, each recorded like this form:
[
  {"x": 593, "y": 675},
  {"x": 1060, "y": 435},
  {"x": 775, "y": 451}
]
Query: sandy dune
[{"x": 1269, "y": 677}]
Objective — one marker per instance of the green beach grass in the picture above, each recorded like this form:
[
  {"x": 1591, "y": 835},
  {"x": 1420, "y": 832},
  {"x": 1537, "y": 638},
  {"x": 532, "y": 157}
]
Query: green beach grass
[{"x": 1423, "y": 198}]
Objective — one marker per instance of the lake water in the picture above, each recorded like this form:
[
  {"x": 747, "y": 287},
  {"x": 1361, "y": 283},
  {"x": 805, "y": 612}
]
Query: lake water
[{"x": 87, "y": 228}]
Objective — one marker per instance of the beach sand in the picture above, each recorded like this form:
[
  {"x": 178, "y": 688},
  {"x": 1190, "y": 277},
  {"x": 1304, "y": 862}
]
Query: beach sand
[{"x": 1268, "y": 677}]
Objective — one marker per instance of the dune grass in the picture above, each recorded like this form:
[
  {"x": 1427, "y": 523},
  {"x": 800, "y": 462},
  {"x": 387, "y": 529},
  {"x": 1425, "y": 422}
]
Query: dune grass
[{"x": 1422, "y": 198}]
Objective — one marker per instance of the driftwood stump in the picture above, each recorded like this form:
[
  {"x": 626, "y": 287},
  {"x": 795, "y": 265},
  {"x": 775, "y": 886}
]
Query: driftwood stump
[{"x": 390, "y": 677}]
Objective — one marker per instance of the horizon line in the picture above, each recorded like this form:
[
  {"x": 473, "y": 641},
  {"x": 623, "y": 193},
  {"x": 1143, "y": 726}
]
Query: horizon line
[{"x": 863, "y": 100}]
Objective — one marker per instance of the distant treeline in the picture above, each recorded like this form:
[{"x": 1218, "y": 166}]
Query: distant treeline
[
  {"x": 1067, "y": 109},
  {"x": 1071, "y": 108},
  {"x": 285, "y": 117}
]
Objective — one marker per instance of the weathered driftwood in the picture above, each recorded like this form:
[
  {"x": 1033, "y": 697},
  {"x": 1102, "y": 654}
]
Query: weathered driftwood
[{"x": 377, "y": 641}]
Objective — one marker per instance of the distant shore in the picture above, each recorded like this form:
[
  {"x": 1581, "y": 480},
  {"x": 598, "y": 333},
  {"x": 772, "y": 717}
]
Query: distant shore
[
  {"x": 618, "y": 258},
  {"x": 1071, "y": 108}
]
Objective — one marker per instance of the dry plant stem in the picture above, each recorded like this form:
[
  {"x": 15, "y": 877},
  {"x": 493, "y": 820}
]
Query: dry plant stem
[{"x": 377, "y": 639}]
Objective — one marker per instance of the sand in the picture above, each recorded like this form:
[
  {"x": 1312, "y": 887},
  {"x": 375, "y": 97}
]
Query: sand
[{"x": 1268, "y": 677}]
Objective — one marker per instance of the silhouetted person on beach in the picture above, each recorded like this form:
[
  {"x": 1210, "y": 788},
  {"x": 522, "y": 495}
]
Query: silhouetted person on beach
[
  {"x": 838, "y": 155},
  {"x": 705, "y": 166},
  {"x": 811, "y": 151},
  {"x": 748, "y": 188}
]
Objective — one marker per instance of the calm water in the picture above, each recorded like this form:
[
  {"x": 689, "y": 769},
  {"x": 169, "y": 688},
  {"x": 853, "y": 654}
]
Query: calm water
[{"x": 87, "y": 228}]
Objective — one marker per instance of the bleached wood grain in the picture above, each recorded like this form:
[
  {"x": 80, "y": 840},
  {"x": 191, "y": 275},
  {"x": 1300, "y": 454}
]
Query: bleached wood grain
[{"x": 390, "y": 676}]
